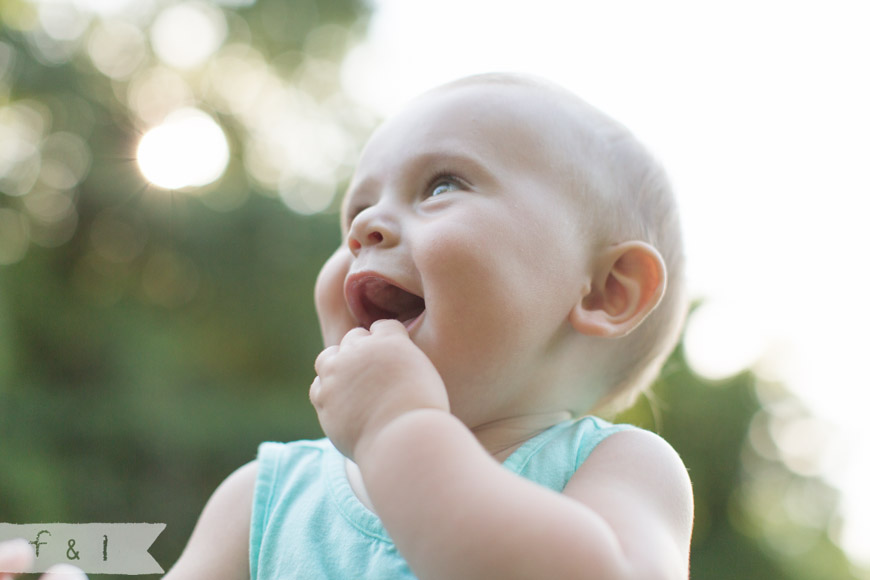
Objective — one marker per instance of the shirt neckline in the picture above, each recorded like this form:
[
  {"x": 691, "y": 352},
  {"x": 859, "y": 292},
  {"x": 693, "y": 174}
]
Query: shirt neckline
[{"x": 364, "y": 520}]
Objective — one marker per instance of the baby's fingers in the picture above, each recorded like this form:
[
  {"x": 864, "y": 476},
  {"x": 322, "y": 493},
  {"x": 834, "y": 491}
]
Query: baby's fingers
[
  {"x": 314, "y": 392},
  {"x": 388, "y": 326},
  {"x": 15, "y": 556},
  {"x": 63, "y": 572},
  {"x": 327, "y": 354},
  {"x": 353, "y": 335}
]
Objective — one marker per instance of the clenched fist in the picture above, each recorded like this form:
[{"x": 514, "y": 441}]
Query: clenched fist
[{"x": 371, "y": 378}]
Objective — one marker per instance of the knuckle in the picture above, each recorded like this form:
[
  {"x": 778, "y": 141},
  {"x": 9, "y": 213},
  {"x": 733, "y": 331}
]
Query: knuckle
[
  {"x": 314, "y": 391},
  {"x": 354, "y": 334},
  {"x": 324, "y": 357}
]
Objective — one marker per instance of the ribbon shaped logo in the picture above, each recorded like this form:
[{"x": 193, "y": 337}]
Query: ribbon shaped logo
[{"x": 94, "y": 548}]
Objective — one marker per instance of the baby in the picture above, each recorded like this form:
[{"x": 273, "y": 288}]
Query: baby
[{"x": 511, "y": 264}]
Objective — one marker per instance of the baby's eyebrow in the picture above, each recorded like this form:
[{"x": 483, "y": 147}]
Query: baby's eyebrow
[{"x": 455, "y": 157}]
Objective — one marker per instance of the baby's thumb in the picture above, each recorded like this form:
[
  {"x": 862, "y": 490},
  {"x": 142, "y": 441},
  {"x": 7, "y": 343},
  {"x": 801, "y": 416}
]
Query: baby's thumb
[{"x": 63, "y": 572}]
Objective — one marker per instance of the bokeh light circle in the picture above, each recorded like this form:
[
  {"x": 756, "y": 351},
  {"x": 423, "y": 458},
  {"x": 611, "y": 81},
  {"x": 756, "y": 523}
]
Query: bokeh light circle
[
  {"x": 185, "y": 35},
  {"x": 189, "y": 149}
]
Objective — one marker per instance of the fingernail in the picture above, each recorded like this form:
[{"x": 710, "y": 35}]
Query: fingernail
[{"x": 64, "y": 572}]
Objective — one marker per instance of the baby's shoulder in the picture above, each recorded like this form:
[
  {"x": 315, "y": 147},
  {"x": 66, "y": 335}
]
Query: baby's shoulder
[
  {"x": 238, "y": 486},
  {"x": 218, "y": 547},
  {"x": 635, "y": 475},
  {"x": 638, "y": 456}
]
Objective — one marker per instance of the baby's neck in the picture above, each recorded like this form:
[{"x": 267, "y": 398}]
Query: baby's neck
[{"x": 503, "y": 436}]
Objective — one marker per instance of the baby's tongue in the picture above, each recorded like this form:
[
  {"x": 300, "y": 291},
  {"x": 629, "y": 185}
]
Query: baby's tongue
[
  {"x": 393, "y": 302},
  {"x": 388, "y": 297}
]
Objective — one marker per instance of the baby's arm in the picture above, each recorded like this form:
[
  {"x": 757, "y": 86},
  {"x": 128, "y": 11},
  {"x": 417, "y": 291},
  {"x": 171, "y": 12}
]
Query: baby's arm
[
  {"x": 217, "y": 550},
  {"x": 218, "y": 547},
  {"x": 454, "y": 512}
]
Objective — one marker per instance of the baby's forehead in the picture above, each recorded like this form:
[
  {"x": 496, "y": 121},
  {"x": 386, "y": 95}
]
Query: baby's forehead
[
  {"x": 532, "y": 123},
  {"x": 492, "y": 107},
  {"x": 539, "y": 127}
]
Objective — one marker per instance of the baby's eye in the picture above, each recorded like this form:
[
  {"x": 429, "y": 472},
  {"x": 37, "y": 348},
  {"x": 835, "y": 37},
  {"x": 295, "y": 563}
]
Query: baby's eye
[{"x": 443, "y": 186}]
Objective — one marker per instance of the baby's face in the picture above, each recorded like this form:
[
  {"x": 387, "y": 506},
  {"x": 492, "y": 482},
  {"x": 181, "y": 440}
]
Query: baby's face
[{"x": 454, "y": 225}]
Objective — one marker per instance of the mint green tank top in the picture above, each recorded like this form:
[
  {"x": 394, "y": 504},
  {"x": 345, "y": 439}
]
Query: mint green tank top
[{"x": 307, "y": 523}]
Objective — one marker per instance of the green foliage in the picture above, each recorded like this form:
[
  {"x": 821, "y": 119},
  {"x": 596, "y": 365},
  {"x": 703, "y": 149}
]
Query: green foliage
[
  {"x": 147, "y": 350},
  {"x": 708, "y": 423},
  {"x": 132, "y": 411}
]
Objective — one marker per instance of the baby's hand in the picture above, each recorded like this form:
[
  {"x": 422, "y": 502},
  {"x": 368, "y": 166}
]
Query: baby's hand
[
  {"x": 368, "y": 380},
  {"x": 18, "y": 555}
]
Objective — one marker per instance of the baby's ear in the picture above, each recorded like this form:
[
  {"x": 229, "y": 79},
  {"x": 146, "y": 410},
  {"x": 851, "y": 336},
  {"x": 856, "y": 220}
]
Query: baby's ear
[{"x": 628, "y": 282}]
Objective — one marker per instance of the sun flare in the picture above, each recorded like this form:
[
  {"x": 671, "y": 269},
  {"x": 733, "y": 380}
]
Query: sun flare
[{"x": 189, "y": 149}]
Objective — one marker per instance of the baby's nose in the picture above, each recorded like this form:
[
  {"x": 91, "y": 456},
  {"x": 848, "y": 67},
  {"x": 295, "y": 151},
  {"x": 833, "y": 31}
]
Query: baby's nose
[
  {"x": 371, "y": 228},
  {"x": 372, "y": 238}
]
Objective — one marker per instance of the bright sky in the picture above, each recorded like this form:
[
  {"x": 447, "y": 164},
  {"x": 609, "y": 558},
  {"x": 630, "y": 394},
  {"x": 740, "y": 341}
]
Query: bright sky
[{"x": 759, "y": 111}]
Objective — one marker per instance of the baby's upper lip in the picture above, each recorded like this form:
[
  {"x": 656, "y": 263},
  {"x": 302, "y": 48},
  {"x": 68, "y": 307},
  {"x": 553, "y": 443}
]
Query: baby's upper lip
[{"x": 373, "y": 296}]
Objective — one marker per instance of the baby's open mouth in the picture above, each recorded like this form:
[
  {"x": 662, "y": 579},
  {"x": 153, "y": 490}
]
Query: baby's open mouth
[{"x": 372, "y": 298}]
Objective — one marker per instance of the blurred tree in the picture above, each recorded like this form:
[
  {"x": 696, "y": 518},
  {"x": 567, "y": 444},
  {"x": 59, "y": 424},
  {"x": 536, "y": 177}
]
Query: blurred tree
[
  {"x": 754, "y": 516},
  {"x": 151, "y": 338}
]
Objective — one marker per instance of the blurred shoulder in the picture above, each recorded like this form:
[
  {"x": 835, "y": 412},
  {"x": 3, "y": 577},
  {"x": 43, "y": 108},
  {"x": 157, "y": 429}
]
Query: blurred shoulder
[{"x": 218, "y": 547}]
